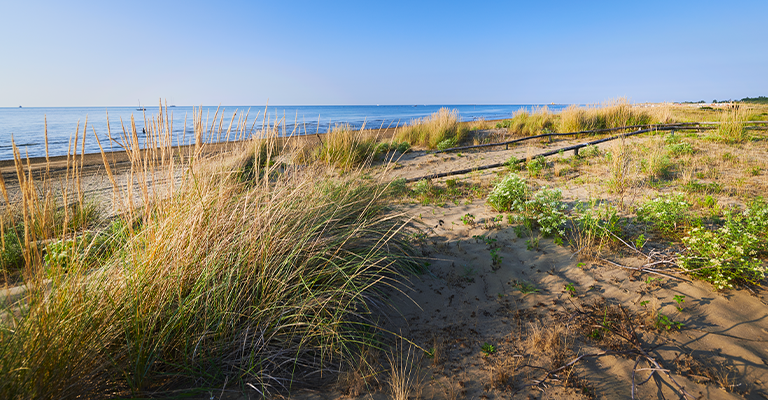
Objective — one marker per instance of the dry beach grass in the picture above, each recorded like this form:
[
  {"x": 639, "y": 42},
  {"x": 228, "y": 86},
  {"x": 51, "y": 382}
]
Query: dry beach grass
[{"x": 280, "y": 267}]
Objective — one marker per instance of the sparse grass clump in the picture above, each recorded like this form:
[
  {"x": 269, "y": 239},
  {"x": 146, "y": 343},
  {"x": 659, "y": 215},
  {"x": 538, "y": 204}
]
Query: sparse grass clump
[
  {"x": 596, "y": 225},
  {"x": 731, "y": 128},
  {"x": 620, "y": 164},
  {"x": 437, "y": 128}
]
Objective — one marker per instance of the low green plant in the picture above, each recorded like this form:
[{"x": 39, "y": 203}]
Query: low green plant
[
  {"x": 679, "y": 299},
  {"x": 599, "y": 221},
  {"x": 488, "y": 349},
  {"x": 571, "y": 289},
  {"x": 591, "y": 151},
  {"x": 640, "y": 241},
  {"x": 535, "y": 166},
  {"x": 651, "y": 280},
  {"x": 546, "y": 208},
  {"x": 513, "y": 164},
  {"x": 699, "y": 187},
  {"x": 679, "y": 149},
  {"x": 495, "y": 257},
  {"x": 468, "y": 219},
  {"x": 12, "y": 254},
  {"x": 532, "y": 243},
  {"x": 525, "y": 287},
  {"x": 510, "y": 194},
  {"x": 665, "y": 323},
  {"x": 728, "y": 255},
  {"x": 447, "y": 144},
  {"x": 755, "y": 171},
  {"x": 668, "y": 214},
  {"x": 468, "y": 274}
]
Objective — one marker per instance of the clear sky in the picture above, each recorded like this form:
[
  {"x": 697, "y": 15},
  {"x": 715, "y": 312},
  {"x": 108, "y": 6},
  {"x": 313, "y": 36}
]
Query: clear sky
[{"x": 109, "y": 53}]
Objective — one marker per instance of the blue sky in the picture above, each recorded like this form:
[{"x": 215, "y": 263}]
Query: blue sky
[{"x": 105, "y": 53}]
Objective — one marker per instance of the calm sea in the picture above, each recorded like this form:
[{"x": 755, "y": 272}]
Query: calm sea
[{"x": 26, "y": 125}]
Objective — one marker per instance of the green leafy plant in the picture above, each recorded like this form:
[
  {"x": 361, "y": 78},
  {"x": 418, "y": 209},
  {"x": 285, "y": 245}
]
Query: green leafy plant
[
  {"x": 571, "y": 289},
  {"x": 468, "y": 274},
  {"x": 681, "y": 148},
  {"x": 447, "y": 144},
  {"x": 532, "y": 244},
  {"x": 665, "y": 323},
  {"x": 650, "y": 280},
  {"x": 468, "y": 219},
  {"x": 679, "y": 299},
  {"x": 488, "y": 349},
  {"x": 513, "y": 164},
  {"x": 536, "y": 165},
  {"x": 640, "y": 241},
  {"x": 510, "y": 194},
  {"x": 727, "y": 255},
  {"x": 668, "y": 214},
  {"x": 496, "y": 257}
]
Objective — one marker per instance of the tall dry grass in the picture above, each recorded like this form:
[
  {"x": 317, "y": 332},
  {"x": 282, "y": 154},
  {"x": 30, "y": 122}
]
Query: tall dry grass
[
  {"x": 530, "y": 123},
  {"x": 346, "y": 148},
  {"x": 611, "y": 114},
  {"x": 731, "y": 128},
  {"x": 210, "y": 278},
  {"x": 442, "y": 126}
]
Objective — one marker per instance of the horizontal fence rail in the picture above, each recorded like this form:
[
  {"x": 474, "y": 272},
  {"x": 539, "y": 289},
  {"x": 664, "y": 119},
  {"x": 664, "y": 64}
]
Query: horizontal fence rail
[
  {"x": 575, "y": 149},
  {"x": 681, "y": 125}
]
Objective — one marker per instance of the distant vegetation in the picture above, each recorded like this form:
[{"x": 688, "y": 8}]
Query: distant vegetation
[{"x": 756, "y": 100}]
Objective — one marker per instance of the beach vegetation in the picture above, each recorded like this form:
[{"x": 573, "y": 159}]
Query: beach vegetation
[
  {"x": 611, "y": 114},
  {"x": 731, "y": 128},
  {"x": 434, "y": 129},
  {"x": 669, "y": 214},
  {"x": 257, "y": 282},
  {"x": 531, "y": 123},
  {"x": 345, "y": 148}
]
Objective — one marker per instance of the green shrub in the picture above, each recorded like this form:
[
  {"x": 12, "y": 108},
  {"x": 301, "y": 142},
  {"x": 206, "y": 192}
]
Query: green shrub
[
  {"x": 544, "y": 208},
  {"x": 509, "y": 194},
  {"x": 725, "y": 256},
  {"x": 446, "y": 144},
  {"x": 513, "y": 164},
  {"x": 668, "y": 214},
  {"x": 536, "y": 165}
]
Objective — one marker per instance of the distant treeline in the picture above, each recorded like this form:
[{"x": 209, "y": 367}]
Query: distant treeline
[{"x": 757, "y": 100}]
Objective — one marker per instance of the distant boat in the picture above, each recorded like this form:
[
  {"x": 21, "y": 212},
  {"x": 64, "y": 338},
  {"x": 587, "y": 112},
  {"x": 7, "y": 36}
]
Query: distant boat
[
  {"x": 140, "y": 107},
  {"x": 19, "y": 106},
  {"x": 172, "y": 105}
]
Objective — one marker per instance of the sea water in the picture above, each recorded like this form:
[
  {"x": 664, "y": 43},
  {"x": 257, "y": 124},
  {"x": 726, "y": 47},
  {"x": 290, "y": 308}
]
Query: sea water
[{"x": 27, "y": 125}]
